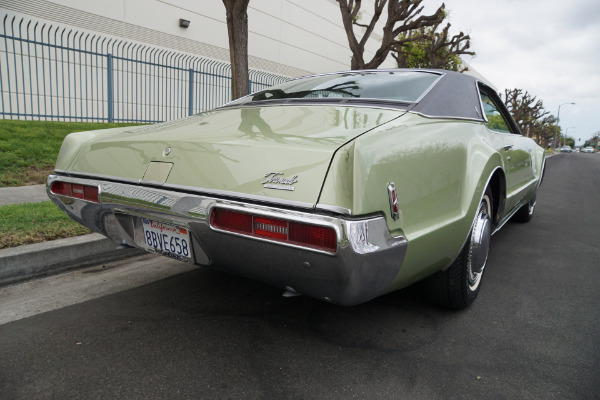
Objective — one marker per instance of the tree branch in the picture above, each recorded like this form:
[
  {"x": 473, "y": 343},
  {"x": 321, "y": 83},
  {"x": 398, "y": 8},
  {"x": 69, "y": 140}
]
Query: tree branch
[{"x": 401, "y": 17}]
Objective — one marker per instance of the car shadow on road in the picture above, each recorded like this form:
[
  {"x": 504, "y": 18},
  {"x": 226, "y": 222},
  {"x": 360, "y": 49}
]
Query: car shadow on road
[{"x": 400, "y": 321}]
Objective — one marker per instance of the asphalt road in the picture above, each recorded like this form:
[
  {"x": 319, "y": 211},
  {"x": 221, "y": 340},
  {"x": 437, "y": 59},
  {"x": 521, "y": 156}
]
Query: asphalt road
[{"x": 533, "y": 333}]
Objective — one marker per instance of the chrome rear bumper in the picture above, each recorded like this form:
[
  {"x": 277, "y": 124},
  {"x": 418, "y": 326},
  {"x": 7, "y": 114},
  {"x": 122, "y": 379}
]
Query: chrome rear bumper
[{"x": 364, "y": 266}]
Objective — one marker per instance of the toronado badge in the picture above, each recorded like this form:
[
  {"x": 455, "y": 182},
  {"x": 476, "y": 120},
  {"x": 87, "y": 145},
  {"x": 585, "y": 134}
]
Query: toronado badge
[{"x": 275, "y": 181}]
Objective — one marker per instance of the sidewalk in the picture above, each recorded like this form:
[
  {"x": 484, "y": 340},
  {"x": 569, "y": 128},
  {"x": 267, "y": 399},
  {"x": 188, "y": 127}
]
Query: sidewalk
[
  {"x": 23, "y": 194},
  {"x": 36, "y": 260}
]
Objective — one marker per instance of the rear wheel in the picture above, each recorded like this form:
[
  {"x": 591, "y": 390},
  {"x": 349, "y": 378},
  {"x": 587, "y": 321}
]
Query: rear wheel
[
  {"x": 457, "y": 286},
  {"x": 525, "y": 213}
]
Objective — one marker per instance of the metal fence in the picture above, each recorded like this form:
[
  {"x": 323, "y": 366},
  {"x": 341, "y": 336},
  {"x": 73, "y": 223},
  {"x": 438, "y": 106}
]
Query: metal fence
[{"x": 49, "y": 72}]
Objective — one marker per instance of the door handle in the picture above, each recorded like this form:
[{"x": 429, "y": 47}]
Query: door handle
[{"x": 507, "y": 147}]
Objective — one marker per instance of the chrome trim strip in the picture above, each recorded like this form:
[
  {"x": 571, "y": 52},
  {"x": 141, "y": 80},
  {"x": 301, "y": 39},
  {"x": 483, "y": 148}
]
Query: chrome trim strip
[
  {"x": 356, "y": 72},
  {"x": 238, "y": 196},
  {"x": 508, "y": 217},
  {"x": 85, "y": 175},
  {"x": 301, "y": 102},
  {"x": 191, "y": 189},
  {"x": 542, "y": 171},
  {"x": 333, "y": 209},
  {"x": 503, "y": 109},
  {"x": 477, "y": 82},
  {"x": 444, "y": 117},
  {"x": 369, "y": 70},
  {"x": 441, "y": 75}
]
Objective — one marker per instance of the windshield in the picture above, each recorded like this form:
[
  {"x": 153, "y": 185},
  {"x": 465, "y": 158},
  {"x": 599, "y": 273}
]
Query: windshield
[{"x": 405, "y": 86}]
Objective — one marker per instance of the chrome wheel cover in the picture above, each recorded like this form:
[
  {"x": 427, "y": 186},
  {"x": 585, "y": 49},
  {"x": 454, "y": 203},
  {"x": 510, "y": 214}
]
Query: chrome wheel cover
[{"x": 479, "y": 244}]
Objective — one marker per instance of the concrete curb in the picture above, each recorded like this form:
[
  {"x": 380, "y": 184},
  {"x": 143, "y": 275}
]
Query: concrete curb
[{"x": 40, "y": 259}]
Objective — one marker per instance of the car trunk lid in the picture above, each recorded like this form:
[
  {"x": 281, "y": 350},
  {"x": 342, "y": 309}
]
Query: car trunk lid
[{"x": 278, "y": 152}]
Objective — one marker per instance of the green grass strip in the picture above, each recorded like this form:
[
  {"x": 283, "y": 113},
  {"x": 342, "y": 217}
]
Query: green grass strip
[
  {"x": 28, "y": 149},
  {"x": 35, "y": 222}
]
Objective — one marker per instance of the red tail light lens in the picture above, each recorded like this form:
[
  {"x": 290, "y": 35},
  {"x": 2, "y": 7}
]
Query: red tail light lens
[
  {"x": 300, "y": 234},
  {"x": 85, "y": 192},
  {"x": 313, "y": 235},
  {"x": 90, "y": 193},
  {"x": 231, "y": 221},
  {"x": 62, "y": 188}
]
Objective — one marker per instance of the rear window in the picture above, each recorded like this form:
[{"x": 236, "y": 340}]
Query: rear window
[{"x": 385, "y": 85}]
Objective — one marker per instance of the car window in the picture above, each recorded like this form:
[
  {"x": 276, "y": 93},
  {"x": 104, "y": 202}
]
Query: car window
[
  {"x": 496, "y": 121},
  {"x": 390, "y": 85}
]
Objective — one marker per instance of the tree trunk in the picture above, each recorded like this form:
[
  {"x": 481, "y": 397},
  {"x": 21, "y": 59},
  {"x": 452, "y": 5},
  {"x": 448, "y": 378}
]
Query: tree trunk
[{"x": 237, "y": 28}]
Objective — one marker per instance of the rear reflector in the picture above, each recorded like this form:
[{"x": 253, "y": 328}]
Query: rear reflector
[
  {"x": 85, "y": 192},
  {"x": 300, "y": 234}
]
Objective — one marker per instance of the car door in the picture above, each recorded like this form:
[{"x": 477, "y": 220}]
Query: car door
[{"x": 515, "y": 149}]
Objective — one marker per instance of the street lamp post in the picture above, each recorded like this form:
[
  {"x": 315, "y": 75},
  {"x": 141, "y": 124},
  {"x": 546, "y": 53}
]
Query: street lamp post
[{"x": 558, "y": 124}]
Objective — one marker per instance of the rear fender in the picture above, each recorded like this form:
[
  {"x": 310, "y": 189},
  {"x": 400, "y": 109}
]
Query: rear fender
[{"x": 440, "y": 170}]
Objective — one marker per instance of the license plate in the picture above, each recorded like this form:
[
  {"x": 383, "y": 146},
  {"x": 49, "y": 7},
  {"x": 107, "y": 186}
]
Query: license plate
[{"x": 169, "y": 240}]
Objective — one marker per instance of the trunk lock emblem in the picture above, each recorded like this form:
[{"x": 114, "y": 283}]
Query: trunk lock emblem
[{"x": 167, "y": 151}]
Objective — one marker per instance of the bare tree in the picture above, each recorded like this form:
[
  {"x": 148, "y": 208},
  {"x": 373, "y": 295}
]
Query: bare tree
[
  {"x": 433, "y": 49},
  {"x": 402, "y": 16},
  {"x": 529, "y": 113},
  {"x": 237, "y": 28}
]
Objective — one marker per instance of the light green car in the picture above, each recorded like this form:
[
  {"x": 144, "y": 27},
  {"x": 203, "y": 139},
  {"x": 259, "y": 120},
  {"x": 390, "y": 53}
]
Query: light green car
[{"x": 341, "y": 186}]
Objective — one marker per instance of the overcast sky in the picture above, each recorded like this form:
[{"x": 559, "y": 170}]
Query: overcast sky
[{"x": 549, "y": 48}]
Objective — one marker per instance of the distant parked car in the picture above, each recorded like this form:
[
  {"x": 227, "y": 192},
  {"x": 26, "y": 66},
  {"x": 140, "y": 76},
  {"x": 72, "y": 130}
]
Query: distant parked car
[
  {"x": 588, "y": 149},
  {"x": 566, "y": 149}
]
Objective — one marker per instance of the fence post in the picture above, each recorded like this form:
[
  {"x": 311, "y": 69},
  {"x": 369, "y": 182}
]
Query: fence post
[
  {"x": 110, "y": 92},
  {"x": 191, "y": 93}
]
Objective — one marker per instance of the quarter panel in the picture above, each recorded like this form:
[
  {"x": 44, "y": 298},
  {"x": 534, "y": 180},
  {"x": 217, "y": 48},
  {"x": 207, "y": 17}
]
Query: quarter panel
[{"x": 440, "y": 169}]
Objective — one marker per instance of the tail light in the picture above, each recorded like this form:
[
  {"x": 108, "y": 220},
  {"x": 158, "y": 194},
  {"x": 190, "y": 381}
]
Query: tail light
[
  {"x": 84, "y": 192},
  {"x": 296, "y": 233}
]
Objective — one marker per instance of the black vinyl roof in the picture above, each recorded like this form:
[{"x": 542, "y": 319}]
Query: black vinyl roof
[{"x": 454, "y": 95}]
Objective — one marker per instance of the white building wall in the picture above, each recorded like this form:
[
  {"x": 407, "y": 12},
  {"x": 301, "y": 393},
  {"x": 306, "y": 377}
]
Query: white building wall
[
  {"x": 286, "y": 37},
  {"x": 45, "y": 73}
]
